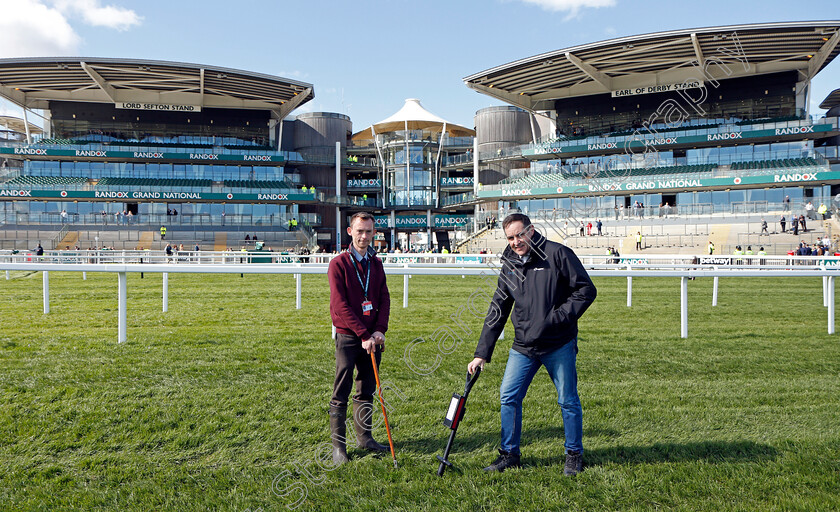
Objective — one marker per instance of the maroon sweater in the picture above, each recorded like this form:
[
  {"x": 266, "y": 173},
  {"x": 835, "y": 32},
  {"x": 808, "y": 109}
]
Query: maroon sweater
[{"x": 347, "y": 295}]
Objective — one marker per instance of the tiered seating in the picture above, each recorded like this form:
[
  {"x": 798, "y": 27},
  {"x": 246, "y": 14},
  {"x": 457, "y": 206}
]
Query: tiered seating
[
  {"x": 46, "y": 180},
  {"x": 158, "y": 144},
  {"x": 670, "y": 169},
  {"x": 151, "y": 182},
  {"x": 784, "y": 163},
  {"x": 270, "y": 184},
  {"x": 249, "y": 147},
  {"x": 780, "y": 119},
  {"x": 61, "y": 142},
  {"x": 551, "y": 180}
]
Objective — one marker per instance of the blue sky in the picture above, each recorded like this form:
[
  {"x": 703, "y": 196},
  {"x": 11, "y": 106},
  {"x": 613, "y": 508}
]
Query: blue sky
[{"x": 366, "y": 57}]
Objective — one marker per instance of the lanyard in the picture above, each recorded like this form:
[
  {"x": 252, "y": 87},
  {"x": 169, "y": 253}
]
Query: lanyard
[{"x": 367, "y": 279}]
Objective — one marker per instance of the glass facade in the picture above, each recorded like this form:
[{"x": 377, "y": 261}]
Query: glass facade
[
  {"x": 99, "y": 170},
  {"x": 410, "y": 167},
  {"x": 699, "y": 202}
]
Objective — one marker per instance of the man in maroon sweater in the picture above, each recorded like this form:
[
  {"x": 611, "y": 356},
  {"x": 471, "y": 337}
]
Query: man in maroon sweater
[{"x": 359, "y": 305}]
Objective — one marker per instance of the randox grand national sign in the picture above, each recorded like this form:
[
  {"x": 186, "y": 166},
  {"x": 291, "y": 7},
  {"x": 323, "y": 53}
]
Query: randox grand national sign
[
  {"x": 646, "y": 139},
  {"x": 648, "y": 184},
  {"x": 130, "y": 195}
]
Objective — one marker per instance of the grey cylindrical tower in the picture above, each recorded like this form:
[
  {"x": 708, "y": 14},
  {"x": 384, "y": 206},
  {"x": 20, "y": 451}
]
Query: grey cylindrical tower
[
  {"x": 498, "y": 128},
  {"x": 502, "y": 127},
  {"x": 317, "y": 132}
]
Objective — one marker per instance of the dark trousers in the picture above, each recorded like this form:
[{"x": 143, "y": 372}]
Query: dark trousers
[{"x": 349, "y": 354}]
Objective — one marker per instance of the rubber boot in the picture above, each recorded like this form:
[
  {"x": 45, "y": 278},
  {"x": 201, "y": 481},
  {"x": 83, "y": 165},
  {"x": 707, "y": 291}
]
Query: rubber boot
[
  {"x": 362, "y": 420},
  {"x": 338, "y": 433}
]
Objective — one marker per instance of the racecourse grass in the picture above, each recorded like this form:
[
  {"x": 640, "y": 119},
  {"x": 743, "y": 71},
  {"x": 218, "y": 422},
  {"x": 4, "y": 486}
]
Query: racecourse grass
[{"x": 221, "y": 403}]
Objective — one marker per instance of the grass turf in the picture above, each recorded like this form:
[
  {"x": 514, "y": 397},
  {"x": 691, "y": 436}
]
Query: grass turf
[{"x": 221, "y": 403}]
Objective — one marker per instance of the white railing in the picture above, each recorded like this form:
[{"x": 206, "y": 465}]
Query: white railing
[{"x": 478, "y": 265}]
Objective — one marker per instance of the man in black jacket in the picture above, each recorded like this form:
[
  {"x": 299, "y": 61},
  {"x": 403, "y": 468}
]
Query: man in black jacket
[{"x": 548, "y": 289}]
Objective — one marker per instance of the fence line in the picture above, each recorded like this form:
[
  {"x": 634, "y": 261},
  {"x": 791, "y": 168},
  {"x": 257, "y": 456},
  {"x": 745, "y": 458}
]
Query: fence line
[{"x": 628, "y": 270}]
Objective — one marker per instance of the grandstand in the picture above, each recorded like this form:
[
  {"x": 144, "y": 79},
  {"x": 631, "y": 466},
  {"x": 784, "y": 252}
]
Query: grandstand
[
  {"x": 680, "y": 125},
  {"x": 701, "y": 122}
]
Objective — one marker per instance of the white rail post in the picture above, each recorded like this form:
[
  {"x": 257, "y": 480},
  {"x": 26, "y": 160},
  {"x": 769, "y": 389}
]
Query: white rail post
[
  {"x": 333, "y": 331},
  {"x": 122, "y": 286},
  {"x": 84, "y": 276},
  {"x": 831, "y": 305},
  {"x": 46, "y": 275},
  {"x": 297, "y": 291},
  {"x": 629, "y": 289},
  {"x": 715, "y": 290},
  {"x": 405, "y": 288},
  {"x": 7, "y": 275},
  {"x": 683, "y": 307},
  {"x": 825, "y": 287},
  {"x": 165, "y": 292}
]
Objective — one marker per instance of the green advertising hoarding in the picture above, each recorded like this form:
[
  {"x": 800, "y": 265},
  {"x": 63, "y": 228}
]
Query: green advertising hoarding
[
  {"x": 151, "y": 196},
  {"x": 140, "y": 155},
  {"x": 651, "y": 184},
  {"x": 419, "y": 221},
  {"x": 648, "y": 139}
]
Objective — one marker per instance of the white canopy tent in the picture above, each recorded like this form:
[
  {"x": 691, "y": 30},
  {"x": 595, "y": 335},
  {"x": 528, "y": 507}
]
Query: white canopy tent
[{"x": 412, "y": 116}]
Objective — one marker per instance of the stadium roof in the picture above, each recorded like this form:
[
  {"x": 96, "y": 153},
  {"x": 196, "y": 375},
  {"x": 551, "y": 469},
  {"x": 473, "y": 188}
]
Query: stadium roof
[
  {"x": 832, "y": 100},
  {"x": 662, "y": 58},
  {"x": 17, "y": 124},
  {"x": 33, "y": 82},
  {"x": 413, "y": 116}
]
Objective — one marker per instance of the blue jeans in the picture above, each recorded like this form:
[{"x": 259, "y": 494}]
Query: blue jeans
[{"x": 519, "y": 372}]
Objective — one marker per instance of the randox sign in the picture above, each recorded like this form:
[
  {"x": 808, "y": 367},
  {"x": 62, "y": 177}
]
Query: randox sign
[
  {"x": 642, "y": 140},
  {"x": 135, "y": 195},
  {"x": 419, "y": 221},
  {"x": 140, "y": 155},
  {"x": 651, "y": 183}
]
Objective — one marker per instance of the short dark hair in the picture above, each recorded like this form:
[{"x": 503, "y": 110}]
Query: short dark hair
[
  {"x": 363, "y": 216},
  {"x": 516, "y": 217}
]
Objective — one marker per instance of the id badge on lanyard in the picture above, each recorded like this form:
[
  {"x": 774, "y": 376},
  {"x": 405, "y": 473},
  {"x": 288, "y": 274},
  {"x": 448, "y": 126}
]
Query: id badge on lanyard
[{"x": 367, "y": 305}]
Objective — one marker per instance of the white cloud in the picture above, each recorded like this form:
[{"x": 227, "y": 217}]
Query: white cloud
[
  {"x": 30, "y": 28},
  {"x": 97, "y": 15},
  {"x": 38, "y": 28},
  {"x": 295, "y": 75},
  {"x": 573, "y": 7}
]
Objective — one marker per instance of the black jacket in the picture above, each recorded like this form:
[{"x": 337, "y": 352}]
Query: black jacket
[{"x": 548, "y": 294}]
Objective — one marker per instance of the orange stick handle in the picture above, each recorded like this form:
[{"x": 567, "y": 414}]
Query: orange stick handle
[{"x": 382, "y": 403}]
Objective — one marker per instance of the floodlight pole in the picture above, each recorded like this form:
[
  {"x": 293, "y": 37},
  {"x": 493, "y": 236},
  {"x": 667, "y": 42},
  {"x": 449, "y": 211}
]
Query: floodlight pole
[{"x": 337, "y": 196}]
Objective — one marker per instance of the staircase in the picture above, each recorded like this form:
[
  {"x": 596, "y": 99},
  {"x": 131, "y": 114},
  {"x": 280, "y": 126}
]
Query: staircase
[{"x": 221, "y": 241}]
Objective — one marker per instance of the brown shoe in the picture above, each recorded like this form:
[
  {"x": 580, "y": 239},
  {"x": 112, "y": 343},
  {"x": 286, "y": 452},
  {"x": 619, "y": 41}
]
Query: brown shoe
[
  {"x": 338, "y": 433},
  {"x": 362, "y": 420}
]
